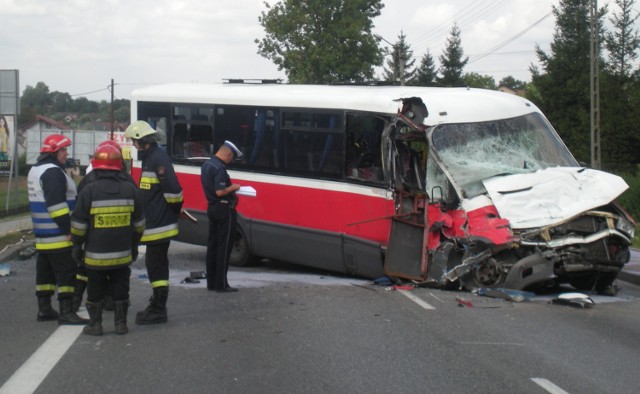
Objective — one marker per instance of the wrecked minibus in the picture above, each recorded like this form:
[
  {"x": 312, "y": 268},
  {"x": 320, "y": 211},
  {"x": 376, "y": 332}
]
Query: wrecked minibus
[{"x": 450, "y": 187}]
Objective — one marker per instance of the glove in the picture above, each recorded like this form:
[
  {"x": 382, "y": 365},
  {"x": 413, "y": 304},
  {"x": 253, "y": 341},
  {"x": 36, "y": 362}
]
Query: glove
[
  {"x": 134, "y": 253},
  {"x": 77, "y": 254}
]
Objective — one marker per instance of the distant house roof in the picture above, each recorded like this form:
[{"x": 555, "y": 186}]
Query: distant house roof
[
  {"x": 517, "y": 92},
  {"x": 43, "y": 119}
]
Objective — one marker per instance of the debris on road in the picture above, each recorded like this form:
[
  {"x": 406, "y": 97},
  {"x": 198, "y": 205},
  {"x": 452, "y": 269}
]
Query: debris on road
[
  {"x": 506, "y": 294},
  {"x": 573, "y": 299}
]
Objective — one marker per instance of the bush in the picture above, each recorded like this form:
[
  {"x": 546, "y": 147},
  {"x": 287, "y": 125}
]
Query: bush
[{"x": 630, "y": 199}]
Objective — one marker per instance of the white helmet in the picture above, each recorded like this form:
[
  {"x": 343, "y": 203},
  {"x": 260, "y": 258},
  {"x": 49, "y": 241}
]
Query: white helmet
[{"x": 138, "y": 130}]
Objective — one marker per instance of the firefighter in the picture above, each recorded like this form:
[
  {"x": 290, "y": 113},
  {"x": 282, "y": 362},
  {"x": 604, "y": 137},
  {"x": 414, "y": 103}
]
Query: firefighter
[
  {"x": 90, "y": 176},
  {"x": 52, "y": 196},
  {"x": 161, "y": 195},
  {"x": 108, "y": 220}
]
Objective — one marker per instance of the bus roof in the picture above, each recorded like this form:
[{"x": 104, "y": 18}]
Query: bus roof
[{"x": 445, "y": 105}]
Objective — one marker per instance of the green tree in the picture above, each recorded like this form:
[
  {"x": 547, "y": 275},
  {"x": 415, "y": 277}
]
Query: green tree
[
  {"x": 475, "y": 80},
  {"x": 60, "y": 102},
  {"x": 37, "y": 98},
  {"x": 322, "y": 41},
  {"x": 84, "y": 105},
  {"x": 426, "y": 73},
  {"x": 400, "y": 63},
  {"x": 563, "y": 84},
  {"x": 618, "y": 104},
  {"x": 512, "y": 83},
  {"x": 452, "y": 60},
  {"x": 623, "y": 42}
]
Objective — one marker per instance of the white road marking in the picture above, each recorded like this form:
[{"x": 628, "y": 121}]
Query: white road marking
[
  {"x": 417, "y": 300},
  {"x": 37, "y": 367},
  {"x": 547, "y": 385}
]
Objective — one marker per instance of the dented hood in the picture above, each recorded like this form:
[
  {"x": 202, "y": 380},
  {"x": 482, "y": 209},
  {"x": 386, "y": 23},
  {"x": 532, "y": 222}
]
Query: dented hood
[{"x": 552, "y": 195}]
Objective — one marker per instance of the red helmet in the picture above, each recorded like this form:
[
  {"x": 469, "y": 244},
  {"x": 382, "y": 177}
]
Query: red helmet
[
  {"x": 54, "y": 143},
  {"x": 110, "y": 143},
  {"x": 107, "y": 157}
]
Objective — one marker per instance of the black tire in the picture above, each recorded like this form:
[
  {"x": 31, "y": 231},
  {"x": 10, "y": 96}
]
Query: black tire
[{"x": 241, "y": 255}]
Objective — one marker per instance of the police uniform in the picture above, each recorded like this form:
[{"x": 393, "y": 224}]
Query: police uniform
[
  {"x": 222, "y": 215},
  {"x": 161, "y": 196}
]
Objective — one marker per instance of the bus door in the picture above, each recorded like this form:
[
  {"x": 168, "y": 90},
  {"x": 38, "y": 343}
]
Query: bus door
[{"x": 405, "y": 150}]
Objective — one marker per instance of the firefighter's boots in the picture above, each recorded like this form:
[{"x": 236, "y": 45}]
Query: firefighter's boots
[
  {"x": 156, "y": 311},
  {"x": 95, "y": 319}
]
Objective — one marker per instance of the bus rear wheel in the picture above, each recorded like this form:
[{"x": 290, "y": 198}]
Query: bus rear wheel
[{"x": 241, "y": 255}]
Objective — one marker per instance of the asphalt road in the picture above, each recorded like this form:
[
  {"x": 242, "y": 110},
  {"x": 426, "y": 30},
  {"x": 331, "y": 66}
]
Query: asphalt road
[{"x": 299, "y": 331}]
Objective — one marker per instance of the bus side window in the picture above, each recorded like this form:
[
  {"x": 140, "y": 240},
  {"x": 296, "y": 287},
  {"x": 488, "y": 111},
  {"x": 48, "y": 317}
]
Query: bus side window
[
  {"x": 200, "y": 137},
  {"x": 363, "y": 160},
  {"x": 179, "y": 138}
]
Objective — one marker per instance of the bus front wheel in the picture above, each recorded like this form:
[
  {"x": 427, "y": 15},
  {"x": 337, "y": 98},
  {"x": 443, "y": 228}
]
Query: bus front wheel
[{"x": 241, "y": 255}]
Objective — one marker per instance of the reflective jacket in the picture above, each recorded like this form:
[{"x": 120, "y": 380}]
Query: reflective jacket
[
  {"x": 109, "y": 220},
  {"x": 52, "y": 196},
  {"x": 161, "y": 195}
]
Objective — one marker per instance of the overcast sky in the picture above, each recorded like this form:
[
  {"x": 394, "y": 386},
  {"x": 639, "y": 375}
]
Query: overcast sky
[{"x": 78, "y": 46}]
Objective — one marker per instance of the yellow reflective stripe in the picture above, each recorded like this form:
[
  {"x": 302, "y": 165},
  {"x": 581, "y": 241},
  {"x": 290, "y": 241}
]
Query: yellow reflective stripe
[
  {"x": 66, "y": 289},
  {"x": 146, "y": 179},
  {"x": 157, "y": 236},
  {"x": 45, "y": 287},
  {"x": 107, "y": 262},
  {"x": 53, "y": 245},
  {"x": 60, "y": 212},
  {"x": 82, "y": 278},
  {"x": 174, "y": 200},
  {"x": 98, "y": 210},
  {"x": 78, "y": 232},
  {"x": 160, "y": 283}
]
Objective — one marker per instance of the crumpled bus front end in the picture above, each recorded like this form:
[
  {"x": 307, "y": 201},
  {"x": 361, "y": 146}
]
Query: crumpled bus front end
[
  {"x": 536, "y": 241},
  {"x": 513, "y": 209}
]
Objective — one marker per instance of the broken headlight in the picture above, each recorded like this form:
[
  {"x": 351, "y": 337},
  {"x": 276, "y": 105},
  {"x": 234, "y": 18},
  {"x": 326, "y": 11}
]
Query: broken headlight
[{"x": 625, "y": 226}]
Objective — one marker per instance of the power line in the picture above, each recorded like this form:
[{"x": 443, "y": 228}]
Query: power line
[
  {"x": 91, "y": 92},
  {"x": 509, "y": 40},
  {"x": 463, "y": 19}
]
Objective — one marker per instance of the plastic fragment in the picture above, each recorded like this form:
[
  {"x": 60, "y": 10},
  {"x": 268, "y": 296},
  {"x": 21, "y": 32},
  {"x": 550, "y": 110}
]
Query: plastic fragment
[
  {"x": 507, "y": 294},
  {"x": 464, "y": 303},
  {"x": 574, "y": 299}
]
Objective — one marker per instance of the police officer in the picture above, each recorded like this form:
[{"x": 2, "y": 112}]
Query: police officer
[
  {"x": 161, "y": 195},
  {"x": 108, "y": 220},
  {"x": 52, "y": 195},
  {"x": 221, "y": 211},
  {"x": 81, "y": 278}
]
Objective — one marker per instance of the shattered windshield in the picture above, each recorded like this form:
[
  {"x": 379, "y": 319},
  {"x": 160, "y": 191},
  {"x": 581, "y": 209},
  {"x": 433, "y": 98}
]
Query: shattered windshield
[{"x": 472, "y": 152}]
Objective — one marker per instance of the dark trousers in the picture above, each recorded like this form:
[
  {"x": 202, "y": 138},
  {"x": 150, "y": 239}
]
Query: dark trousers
[
  {"x": 55, "y": 268},
  {"x": 102, "y": 281},
  {"x": 156, "y": 260},
  {"x": 222, "y": 230}
]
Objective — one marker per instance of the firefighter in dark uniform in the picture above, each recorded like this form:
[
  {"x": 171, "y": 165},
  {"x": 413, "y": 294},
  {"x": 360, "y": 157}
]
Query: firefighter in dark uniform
[
  {"x": 108, "y": 221},
  {"x": 52, "y": 196},
  {"x": 161, "y": 195},
  {"x": 90, "y": 176},
  {"x": 221, "y": 211}
]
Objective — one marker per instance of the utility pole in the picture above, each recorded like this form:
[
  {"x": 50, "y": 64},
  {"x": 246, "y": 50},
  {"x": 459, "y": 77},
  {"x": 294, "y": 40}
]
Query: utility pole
[
  {"x": 112, "y": 117},
  {"x": 595, "y": 86},
  {"x": 399, "y": 61}
]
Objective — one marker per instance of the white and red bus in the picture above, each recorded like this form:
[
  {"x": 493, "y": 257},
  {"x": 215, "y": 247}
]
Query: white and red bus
[{"x": 452, "y": 186}]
